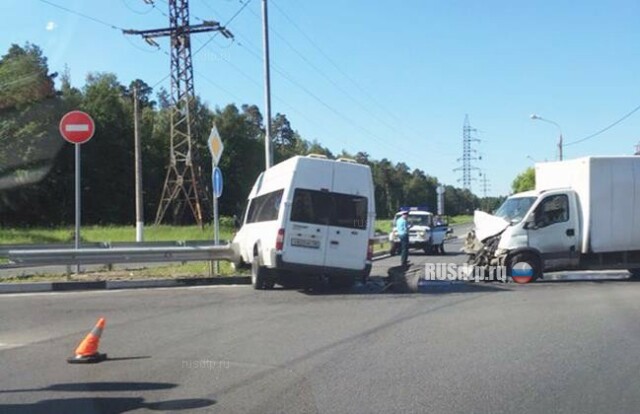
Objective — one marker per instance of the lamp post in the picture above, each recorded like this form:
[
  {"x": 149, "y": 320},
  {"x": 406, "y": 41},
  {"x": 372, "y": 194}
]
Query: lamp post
[{"x": 536, "y": 117}]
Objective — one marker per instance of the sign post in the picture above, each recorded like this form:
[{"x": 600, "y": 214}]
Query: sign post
[
  {"x": 440, "y": 192},
  {"x": 77, "y": 128},
  {"x": 215, "y": 147},
  {"x": 217, "y": 192}
]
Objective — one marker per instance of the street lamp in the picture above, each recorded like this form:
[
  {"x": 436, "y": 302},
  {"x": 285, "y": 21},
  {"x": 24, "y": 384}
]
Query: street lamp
[{"x": 536, "y": 117}]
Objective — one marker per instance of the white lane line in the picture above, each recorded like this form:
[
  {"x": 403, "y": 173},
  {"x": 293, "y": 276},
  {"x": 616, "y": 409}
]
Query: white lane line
[{"x": 4, "y": 345}]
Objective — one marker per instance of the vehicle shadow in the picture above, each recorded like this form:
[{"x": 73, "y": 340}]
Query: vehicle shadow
[
  {"x": 379, "y": 286},
  {"x": 109, "y": 405},
  {"x": 100, "y": 386},
  {"x": 103, "y": 405}
]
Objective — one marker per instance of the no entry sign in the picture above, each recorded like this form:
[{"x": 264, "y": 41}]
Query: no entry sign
[{"x": 77, "y": 127}]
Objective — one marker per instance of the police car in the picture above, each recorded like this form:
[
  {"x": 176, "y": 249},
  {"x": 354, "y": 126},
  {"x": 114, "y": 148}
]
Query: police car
[{"x": 424, "y": 232}]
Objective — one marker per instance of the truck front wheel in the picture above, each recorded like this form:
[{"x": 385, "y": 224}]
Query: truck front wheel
[{"x": 524, "y": 268}]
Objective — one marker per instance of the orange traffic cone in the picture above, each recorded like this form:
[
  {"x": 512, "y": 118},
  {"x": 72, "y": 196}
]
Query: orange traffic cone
[{"x": 87, "y": 351}]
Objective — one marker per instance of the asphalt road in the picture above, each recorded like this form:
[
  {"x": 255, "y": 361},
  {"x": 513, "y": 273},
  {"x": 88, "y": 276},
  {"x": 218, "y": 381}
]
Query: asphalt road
[{"x": 553, "y": 346}]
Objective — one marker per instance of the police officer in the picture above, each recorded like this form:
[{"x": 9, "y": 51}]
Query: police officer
[{"x": 402, "y": 227}]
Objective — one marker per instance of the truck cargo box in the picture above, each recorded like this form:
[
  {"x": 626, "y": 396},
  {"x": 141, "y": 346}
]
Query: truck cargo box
[{"x": 608, "y": 189}]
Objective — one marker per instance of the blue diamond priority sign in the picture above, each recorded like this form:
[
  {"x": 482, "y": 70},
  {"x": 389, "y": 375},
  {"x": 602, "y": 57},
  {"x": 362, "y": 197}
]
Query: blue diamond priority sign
[{"x": 216, "y": 177}]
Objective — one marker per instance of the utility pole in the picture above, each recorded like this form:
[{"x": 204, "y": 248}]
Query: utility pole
[
  {"x": 138, "y": 167},
  {"x": 537, "y": 117},
  {"x": 268, "y": 147},
  {"x": 467, "y": 154},
  {"x": 181, "y": 188},
  {"x": 560, "y": 147}
]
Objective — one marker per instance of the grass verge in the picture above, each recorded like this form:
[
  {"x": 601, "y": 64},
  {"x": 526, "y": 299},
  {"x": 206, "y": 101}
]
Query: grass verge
[
  {"x": 461, "y": 219},
  {"x": 112, "y": 234}
]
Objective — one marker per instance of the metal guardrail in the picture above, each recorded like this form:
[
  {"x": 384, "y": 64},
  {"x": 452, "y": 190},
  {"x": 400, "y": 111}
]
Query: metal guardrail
[
  {"x": 6, "y": 248},
  {"x": 382, "y": 238},
  {"x": 105, "y": 254}
]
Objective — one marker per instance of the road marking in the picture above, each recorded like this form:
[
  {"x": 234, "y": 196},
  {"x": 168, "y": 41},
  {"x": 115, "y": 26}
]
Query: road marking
[{"x": 9, "y": 346}]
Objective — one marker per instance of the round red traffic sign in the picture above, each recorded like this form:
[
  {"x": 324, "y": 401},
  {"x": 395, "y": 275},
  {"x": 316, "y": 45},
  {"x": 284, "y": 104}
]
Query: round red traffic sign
[{"x": 77, "y": 127}]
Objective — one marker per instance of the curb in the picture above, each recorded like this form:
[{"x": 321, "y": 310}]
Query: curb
[{"x": 120, "y": 284}]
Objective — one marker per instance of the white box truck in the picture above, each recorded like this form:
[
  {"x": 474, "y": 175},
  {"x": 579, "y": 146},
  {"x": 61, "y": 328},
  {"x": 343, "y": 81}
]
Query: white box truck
[
  {"x": 584, "y": 214},
  {"x": 309, "y": 216}
]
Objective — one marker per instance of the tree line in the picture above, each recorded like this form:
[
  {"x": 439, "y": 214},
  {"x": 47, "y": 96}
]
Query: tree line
[{"x": 37, "y": 166}]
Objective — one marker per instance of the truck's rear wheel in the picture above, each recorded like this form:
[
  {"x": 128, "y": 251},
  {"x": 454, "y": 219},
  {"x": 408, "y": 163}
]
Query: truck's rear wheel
[
  {"x": 260, "y": 278},
  {"x": 524, "y": 268}
]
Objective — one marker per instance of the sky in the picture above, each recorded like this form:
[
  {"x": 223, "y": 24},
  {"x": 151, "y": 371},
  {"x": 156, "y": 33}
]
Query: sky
[{"x": 392, "y": 78}]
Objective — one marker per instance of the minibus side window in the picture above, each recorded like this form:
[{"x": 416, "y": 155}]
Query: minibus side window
[{"x": 265, "y": 207}]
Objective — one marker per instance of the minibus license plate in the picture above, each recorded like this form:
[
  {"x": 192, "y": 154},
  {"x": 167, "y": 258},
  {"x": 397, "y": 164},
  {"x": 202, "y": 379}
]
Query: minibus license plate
[{"x": 314, "y": 244}]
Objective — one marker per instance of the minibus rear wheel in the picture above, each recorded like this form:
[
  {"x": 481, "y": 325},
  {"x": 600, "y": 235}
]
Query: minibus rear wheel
[{"x": 260, "y": 277}]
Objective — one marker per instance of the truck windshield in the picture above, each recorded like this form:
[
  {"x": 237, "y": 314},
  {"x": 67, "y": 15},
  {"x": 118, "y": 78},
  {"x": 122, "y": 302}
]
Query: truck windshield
[{"x": 514, "y": 209}]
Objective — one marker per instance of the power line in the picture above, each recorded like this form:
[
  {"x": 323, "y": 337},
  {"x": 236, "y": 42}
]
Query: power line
[
  {"x": 209, "y": 7},
  {"x": 102, "y": 22},
  {"x": 135, "y": 11},
  {"x": 400, "y": 123},
  {"x": 291, "y": 80},
  {"x": 340, "y": 115},
  {"x": 228, "y": 22},
  {"x": 284, "y": 74},
  {"x": 259, "y": 86},
  {"x": 217, "y": 85},
  {"x": 281, "y": 101},
  {"x": 346, "y": 93},
  {"x": 335, "y": 65},
  {"x": 154, "y": 7},
  {"x": 636, "y": 109}
]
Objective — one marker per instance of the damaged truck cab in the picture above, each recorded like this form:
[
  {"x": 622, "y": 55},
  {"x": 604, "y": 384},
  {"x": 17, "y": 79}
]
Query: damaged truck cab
[{"x": 583, "y": 215}]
